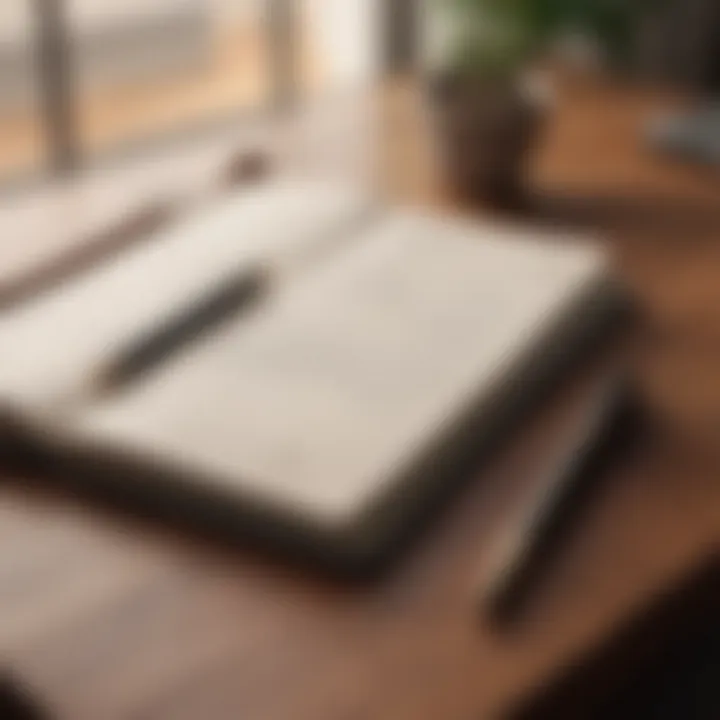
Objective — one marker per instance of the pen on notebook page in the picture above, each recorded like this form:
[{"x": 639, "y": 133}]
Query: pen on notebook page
[
  {"x": 610, "y": 421},
  {"x": 152, "y": 348},
  {"x": 234, "y": 296}
]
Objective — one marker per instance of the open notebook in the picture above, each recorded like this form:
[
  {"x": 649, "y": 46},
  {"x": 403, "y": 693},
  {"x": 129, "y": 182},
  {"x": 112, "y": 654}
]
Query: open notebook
[
  {"x": 331, "y": 412},
  {"x": 54, "y": 347}
]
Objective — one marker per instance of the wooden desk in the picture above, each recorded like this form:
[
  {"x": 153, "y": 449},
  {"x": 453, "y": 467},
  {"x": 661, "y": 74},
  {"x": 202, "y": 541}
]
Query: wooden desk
[{"x": 113, "y": 617}]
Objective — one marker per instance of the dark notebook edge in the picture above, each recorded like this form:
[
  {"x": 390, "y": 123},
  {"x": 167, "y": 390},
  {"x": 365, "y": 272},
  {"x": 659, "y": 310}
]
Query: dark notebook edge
[{"x": 384, "y": 530}]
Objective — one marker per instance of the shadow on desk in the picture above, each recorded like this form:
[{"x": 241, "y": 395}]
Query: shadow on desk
[{"x": 664, "y": 664}]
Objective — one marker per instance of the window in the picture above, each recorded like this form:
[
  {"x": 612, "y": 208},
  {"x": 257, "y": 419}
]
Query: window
[
  {"x": 98, "y": 76},
  {"x": 341, "y": 43},
  {"x": 21, "y": 132},
  {"x": 145, "y": 67}
]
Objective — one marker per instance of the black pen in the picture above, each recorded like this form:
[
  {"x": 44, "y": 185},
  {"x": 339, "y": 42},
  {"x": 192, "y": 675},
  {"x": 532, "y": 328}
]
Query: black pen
[
  {"x": 611, "y": 421},
  {"x": 148, "y": 351}
]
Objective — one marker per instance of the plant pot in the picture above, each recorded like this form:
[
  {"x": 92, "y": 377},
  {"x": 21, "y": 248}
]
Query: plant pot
[{"x": 486, "y": 130}]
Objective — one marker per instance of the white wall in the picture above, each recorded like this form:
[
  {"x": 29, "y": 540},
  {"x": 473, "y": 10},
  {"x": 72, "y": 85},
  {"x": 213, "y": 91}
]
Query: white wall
[
  {"x": 346, "y": 31},
  {"x": 348, "y": 34}
]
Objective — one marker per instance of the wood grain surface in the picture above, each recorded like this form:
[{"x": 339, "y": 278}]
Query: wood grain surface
[{"x": 111, "y": 617}]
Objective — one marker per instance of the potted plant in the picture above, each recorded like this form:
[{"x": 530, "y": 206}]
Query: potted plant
[
  {"x": 487, "y": 119},
  {"x": 488, "y": 105}
]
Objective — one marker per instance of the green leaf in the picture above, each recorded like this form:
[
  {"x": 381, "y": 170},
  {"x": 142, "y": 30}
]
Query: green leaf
[{"x": 502, "y": 34}]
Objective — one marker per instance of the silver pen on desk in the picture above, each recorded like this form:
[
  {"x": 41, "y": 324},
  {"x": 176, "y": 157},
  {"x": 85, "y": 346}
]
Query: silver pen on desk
[{"x": 611, "y": 421}]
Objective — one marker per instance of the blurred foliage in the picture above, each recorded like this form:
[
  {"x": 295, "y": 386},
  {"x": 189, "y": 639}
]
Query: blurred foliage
[{"x": 495, "y": 36}]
